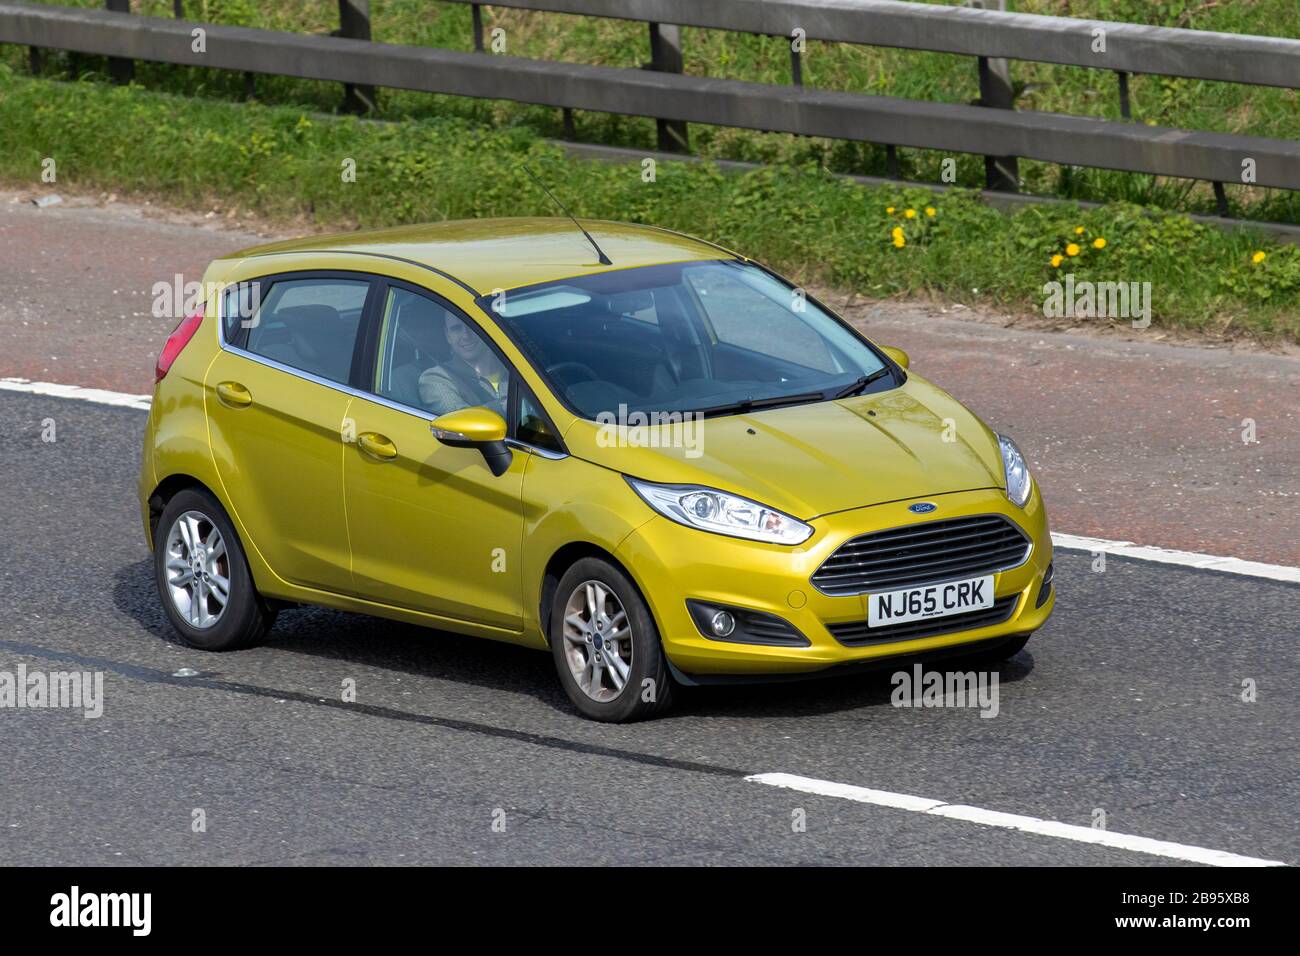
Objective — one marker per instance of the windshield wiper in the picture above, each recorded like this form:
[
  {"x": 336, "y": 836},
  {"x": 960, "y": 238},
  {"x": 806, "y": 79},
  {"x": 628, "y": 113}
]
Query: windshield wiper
[
  {"x": 751, "y": 404},
  {"x": 854, "y": 387}
]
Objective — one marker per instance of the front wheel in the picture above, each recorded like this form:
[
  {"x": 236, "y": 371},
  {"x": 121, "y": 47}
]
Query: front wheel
[
  {"x": 203, "y": 578},
  {"x": 606, "y": 646}
]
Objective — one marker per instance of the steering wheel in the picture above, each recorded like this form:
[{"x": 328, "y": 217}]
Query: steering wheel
[{"x": 562, "y": 372}]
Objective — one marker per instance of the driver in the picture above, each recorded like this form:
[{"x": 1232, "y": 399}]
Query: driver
[{"x": 471, "y": 375}]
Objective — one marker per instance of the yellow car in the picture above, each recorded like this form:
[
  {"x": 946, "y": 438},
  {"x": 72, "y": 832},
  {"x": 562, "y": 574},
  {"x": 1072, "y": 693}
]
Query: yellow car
[{"x": 645, "y": 453}]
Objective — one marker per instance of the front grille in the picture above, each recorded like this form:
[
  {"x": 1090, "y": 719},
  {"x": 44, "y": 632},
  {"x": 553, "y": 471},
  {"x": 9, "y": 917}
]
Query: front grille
[
  {"x": 923, "y": 553},
  {"x": 857, "y": 634}
]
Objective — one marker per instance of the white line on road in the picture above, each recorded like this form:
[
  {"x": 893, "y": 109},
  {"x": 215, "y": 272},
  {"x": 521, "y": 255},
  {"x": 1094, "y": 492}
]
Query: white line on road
[
  {"x": 98, "y": 395},
  {"x": 1008, "y": 821},
  {"x": 1127, "y": 549}
]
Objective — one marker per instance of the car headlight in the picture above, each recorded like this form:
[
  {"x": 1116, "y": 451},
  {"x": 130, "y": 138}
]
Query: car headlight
[
  {"x": 722, "y": 513},
  {"x": 1019, "y": 483}
]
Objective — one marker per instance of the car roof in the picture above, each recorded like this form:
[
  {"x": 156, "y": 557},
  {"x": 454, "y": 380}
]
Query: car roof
[{"x": 489, "y": 254}]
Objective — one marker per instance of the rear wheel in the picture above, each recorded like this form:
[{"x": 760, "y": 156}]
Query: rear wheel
[
  {"x": 202, "y": 575},
  {"x": 606, "y": 646}
]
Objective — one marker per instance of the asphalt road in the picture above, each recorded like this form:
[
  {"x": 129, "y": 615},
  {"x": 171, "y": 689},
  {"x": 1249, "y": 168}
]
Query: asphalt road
[{"x": 1128, "y": 701}]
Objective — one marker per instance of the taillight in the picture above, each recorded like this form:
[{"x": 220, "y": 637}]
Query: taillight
[{"x": 179, "y": 338}]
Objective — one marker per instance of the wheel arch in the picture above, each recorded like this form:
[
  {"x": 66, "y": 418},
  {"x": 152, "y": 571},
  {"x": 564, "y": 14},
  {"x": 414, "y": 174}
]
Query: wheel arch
[
  {"x": 166, "y": 490},
  {"x": 566, "y": 557}
]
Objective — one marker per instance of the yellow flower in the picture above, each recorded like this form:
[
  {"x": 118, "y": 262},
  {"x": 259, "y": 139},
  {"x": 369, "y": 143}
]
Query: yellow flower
[
  {"x": 930, "y": 211},
  {"x": 889, "y": 210},
  {"x": 1258, "y": 257},
  {"x": 1078, "y": 230},
  {"x": 1057, "y": 260},
  {"x": 899, "y": 241},
  {"x": 909, "y": 213},
  {"x": 1099, "y": 243},
  {"x": 1072, "y": 250}
]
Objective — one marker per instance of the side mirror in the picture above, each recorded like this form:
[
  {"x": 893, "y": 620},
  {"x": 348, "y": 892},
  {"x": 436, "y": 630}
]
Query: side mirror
[
  {"x": 479, "y": 428},
  {"x": 898, "y": 355}
]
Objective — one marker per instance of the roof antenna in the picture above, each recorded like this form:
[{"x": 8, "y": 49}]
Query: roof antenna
[{"x": 604, "y": 259}]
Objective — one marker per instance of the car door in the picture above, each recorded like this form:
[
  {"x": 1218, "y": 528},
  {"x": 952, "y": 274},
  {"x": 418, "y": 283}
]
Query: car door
[
  {"x": 277, "y": 398},
  {"x": 432, "y": 528}
]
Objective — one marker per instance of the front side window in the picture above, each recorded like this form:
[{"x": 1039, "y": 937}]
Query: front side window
[
  {"x": 701, "y": 337},
  {"x": 434, "y": 359},
  {"x": 534, "y": 426},
  {"x": 309, "y": 324}
]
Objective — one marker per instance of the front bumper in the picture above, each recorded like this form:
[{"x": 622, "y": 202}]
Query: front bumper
[{"x": 673, "y": 563}]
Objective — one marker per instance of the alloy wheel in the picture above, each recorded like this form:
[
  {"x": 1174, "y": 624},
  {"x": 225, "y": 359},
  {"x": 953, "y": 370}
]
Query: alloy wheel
[
  {"x": 197, "y": 569},
  {"x": 597, "y": 641}
]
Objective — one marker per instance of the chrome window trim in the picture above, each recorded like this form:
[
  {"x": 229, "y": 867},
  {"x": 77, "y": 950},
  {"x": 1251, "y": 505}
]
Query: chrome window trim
[
  {"x": 296, "y": 372},
  {"x": 370, "y": 396},
  {"x": 537, "y": 450}
]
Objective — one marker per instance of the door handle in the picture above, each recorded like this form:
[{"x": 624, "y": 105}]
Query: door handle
[
  {"x": 234, "y": 394},
  {"x": 377, "y": 446}
]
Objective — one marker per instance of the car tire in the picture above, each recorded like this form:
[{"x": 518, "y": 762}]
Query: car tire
[
  {"x": 614, "y": 669},
  {"x": 195, "y": 550}
]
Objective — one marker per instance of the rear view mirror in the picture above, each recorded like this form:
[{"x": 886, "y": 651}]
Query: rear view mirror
[
  {"x": 630, "y": 303},
  {"x": 479, "y": 428}
]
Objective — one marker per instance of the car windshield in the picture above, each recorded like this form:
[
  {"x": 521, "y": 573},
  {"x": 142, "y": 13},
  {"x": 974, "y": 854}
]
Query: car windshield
[{"x": 701, "y": 337}]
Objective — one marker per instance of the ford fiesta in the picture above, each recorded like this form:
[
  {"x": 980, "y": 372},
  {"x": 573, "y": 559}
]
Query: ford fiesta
[{"x": 647, "y": 454}]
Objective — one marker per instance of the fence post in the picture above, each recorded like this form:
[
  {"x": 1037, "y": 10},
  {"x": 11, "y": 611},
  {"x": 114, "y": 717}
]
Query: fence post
[
  {"x": 354, "y": 22},
  {"x": 666, "y": 57},
  {"x": 476, "y": 14},
  {"x": 119, "y": 69},
  {"x": 1221, "y": 201},
  {"x": 1125, "y": 110},
  {"x": 1001, "y": 173}
]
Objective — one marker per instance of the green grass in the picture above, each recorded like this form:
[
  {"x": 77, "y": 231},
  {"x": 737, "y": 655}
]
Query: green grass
[
  {"x": 1164, "y": 101},
  {"x": 286, "y": 164}
]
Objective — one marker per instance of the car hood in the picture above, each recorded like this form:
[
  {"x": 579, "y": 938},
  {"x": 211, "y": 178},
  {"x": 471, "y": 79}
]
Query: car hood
[{"x": 811, "y": 460}]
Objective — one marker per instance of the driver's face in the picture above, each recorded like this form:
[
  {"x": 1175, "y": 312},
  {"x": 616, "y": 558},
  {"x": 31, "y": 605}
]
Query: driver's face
[{"x": 463, "y": 340}]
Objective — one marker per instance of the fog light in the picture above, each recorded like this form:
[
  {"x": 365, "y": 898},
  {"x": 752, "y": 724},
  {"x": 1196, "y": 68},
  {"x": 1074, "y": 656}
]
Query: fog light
[{"x": 722, "y": 624}]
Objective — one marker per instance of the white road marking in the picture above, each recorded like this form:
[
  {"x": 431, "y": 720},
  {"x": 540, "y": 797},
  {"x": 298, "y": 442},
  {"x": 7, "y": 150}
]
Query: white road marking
[
  {"x": 1191, "y": 559},
  {"x": 1009, "y": 821},
  {"x": 98, "y": 395}
]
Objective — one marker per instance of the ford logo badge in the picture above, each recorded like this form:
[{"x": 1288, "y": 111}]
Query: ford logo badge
[{"x": 922, "y": 508}]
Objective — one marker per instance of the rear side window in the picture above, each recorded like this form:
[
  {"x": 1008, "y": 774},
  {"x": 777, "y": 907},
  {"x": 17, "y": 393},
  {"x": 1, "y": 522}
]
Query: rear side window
[
  {"x": 239, "y": 309},
  {"x": 310, "y": 324}
]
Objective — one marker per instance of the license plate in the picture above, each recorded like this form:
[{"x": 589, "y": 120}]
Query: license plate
[{"x": 934, "y": 600}]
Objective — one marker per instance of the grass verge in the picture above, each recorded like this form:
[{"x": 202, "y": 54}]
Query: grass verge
[{"x": 282, "y": 163}]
